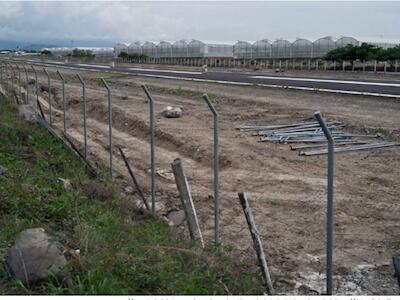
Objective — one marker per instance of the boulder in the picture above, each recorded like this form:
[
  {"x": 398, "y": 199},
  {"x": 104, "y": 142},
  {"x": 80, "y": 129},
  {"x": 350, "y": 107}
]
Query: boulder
[
  {"x": 172, "y": 112},
  {"x": 176, "y": 217},
  {"x": 27, "y": 112},
  {"x": 35, "y": 256},
  {"x": 2, "y": 170}
]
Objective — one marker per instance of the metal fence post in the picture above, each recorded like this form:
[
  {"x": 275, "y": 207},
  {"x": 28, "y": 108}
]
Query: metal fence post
[
  {"x": 329, "y": 219},
  {"x": 84, "y": 114},
  {"x": 49, "y": 86},
  {"x": 19, "y": 82},
  {"x": 152, "y": 150},
  {"x": 12, "y": 78},
  {"x": 216, "y": 167},
  {"x": 6, "y": 77},
  {"x": 64, "y": 101},
  {"x": 36, "y": 87},
  {"x": 27, "y": 87},
  {"x": 109, "y": 123}
]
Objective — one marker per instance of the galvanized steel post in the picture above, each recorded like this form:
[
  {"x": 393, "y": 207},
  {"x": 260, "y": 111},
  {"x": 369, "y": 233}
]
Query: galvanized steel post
[
  {"x": 27, "y": 87},
  {"x": 329, "y": 219},
  {"x": 152, "y": 150},
  {"x": 64, "y": 101},
  {"x": 216, "y": 167},
  {"x": 12, "y": 78},
  {"x": 109, "y": 124},
  {"x": 84, "y": 114},
  {"x": 19, "y": 82},
  {"x": 49, "y": 87},
  {"x": 6, "y": 77},
  {"x": 37, "y": 87}
]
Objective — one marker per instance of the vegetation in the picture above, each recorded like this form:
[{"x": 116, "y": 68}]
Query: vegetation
[
  {"x": 133, "y": 56},
  {"x": 122, "y": 250},
  {"x": 79, "y": 53},
  {"x": 364, "y": 52},
  {"x": 46, "y": 52}
]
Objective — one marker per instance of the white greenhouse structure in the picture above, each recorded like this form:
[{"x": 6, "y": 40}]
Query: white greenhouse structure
[
  {"x": 135, "y": 48},
  {"x": 242, "y": 49},
  {"x": 281, "y": 49},
  {"x": 300, "y": 48},
  {"x": 261, "y": 49},
  {"x": 149, "y": 49}
]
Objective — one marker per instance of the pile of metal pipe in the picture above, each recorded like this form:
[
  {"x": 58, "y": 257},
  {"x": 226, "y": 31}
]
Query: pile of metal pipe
[{"x": 308, "y": 138}]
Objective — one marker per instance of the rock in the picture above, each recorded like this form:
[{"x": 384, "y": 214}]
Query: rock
[
  {"x": 128, "y": 190},
  {"x": 172, "y": 112},
  {"x": 27, "y": 112},
  {"x": 177, "y": 217},
  {"x": 67, "y": 184},
  {"x": 34, "y": 256},
  {"x": 2, "y": 170}
]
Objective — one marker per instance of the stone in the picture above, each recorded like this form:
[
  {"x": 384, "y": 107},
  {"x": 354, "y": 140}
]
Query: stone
[
  {"x": 27, "y": 112},
  {"x": 2, "y": 170},
  {"x": 129, "y": 190},
  {"x": 35, "y": 256},
  {"x": 172, "y": 112},
  {"x": 177, "y": 217},
  {"x": 67, "y": 184}
]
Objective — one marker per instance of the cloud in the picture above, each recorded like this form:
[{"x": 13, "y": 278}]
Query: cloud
[{"x": 130, "y": 21}]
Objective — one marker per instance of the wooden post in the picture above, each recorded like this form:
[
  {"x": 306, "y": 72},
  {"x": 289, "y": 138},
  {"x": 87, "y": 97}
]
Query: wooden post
[
  {"x": 257, "y": 243},
  {"x": 187, "y": 202}
]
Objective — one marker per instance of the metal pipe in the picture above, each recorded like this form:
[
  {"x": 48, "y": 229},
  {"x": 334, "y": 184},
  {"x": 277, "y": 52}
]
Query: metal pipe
[
  {"x": 109, "y": 124},
  {"x": 84, "y": 114},
  {"x": 152, "y": 149},
  {"x": 37, "y": 87},
  {"x": 27, "y": 87},
  {"x": 49, "y": 87},
  {"x": 329, "y": 219},
  {"x": 19, "y": 82},
  {"x": 6, "y": 76},
  {"x": 64, "y": 101},
  {"x": 216, "y": 167}
]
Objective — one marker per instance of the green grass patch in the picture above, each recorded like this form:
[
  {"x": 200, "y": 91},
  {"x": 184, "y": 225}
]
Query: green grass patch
[{"x": 118, "y": 255}]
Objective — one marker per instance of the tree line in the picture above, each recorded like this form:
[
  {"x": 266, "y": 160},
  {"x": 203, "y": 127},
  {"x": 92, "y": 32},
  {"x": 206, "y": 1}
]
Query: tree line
[{"x": 364, "y": 52}]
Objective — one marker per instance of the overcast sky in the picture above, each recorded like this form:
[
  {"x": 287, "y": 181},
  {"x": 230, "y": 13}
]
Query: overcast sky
[{"x": 213, "y": 21}]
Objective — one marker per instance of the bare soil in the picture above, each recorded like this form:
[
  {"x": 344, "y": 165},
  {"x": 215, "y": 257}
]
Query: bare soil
[{"x": 287, "y": 192}]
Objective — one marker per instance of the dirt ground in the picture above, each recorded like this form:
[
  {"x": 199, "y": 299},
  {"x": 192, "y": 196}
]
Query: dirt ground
[{"x": 287, "y": 192}]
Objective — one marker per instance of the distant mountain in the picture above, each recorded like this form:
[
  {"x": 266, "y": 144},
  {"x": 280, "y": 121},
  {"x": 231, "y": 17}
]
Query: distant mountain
[
  {"x": 25, "y": 46},
  {"x": 51, "y": 43}
]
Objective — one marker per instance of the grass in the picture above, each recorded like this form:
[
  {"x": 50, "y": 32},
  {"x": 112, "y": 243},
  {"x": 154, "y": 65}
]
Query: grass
[{"x": 138, "y": 254}]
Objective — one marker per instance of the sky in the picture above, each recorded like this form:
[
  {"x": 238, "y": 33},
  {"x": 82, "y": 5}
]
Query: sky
[{"x": 74, "y": 22}]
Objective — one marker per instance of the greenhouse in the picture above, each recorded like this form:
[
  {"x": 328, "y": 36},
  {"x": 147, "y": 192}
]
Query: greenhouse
[
  {"x": 135, "y": 48},
  {"x": 120, "y": 47},
  {"x": 219, "y": 50},
  {"x": 302, "y": 48},
  {"x": 164, "y": 49},
  {"x": 281, "y": 49},
  {"x": 261, "y": 49},
  {"x": 196, "y": 49},
  {"x": 242, "y": 50},
  {"x": 149, "y": 49},
  {"x": 180, "y": 49},
  {"x": 345, "y": 40},
  {"x": 322, "y": 46}
]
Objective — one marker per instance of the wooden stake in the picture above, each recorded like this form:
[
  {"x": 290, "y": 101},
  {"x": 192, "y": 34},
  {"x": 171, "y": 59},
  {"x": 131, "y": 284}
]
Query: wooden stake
[
  {"x": 257, "y": 243},
  {"x": 187, "y": 202}
]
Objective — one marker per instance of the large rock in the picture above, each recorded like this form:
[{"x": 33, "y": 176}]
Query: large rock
[
  {"x": 172, "y": 112},
  {"x": 27, "y": 112},
  {"x": 34, "y": 256}
]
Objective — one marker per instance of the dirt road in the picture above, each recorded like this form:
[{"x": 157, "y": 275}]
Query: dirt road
[{"x": 287, "y": 192}]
